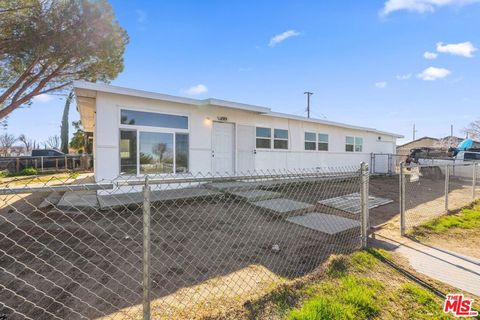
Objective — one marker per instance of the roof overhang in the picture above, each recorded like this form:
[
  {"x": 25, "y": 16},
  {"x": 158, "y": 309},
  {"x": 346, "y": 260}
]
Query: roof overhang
[
  {"x": 89, "y": 90},
  {"x": 86, "y": 93},
  {"x": 333, "y": 123}
]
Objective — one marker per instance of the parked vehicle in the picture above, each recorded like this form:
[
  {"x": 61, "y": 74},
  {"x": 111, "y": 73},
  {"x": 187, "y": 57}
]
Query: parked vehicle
[{"x": 47, "y": 153}]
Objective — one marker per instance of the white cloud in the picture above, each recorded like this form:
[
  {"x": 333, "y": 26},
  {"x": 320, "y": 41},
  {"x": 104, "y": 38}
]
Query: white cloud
[
  {"x": 433, "y": 73},
  {"x": 141, "y": 16},
  {"x": 381, "y": 84},
  {"x": 464, "y": 49},
  {"x": 195, "y": 90},
  {"x": 430, "y": 55},
  {"x": 282, "y": 37},
  {"x": 42, "y": 98},
  {"x": 404, "y": 76},
  {"x": 420, "y": 6}
]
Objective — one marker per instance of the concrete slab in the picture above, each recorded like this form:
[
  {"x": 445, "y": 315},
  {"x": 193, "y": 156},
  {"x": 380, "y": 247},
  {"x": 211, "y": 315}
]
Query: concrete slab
[
  {"x": 125, "y": 199},
  {"x": 351, "y": 202},
  {"x": 284, "y": 207},
  {"x": 325, "y": 223},
  {"x": 51, "y": 200},
  {"x": 255, "y": 195},
  {"x": 78, "y": 200}
]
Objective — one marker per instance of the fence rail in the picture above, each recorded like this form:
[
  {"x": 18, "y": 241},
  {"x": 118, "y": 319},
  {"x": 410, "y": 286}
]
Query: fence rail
[
  {"x": 171, "y": 251},
  {"x": 46, "y": 163}
]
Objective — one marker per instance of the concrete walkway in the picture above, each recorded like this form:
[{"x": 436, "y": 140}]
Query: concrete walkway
[{"x": 451, "y": 268}]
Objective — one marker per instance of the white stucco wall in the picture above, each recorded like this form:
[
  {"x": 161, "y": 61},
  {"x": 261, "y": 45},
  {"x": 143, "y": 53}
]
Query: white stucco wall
[{"x": 107, "y": 128}]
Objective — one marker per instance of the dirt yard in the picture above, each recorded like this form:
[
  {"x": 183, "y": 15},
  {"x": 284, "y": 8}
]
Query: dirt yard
[{"x": 207, "y": 253}]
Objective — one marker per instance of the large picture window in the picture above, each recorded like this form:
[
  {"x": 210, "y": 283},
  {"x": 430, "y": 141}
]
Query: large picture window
[
  {"x": 153, "y": 119},
  {"x": 280, "y": 139},
  {"x": 353, "y": 144},
  {"x": 156, "y": 152},
  {"x": 264, "y": 138},
  {"x": 153, "y": 151}
]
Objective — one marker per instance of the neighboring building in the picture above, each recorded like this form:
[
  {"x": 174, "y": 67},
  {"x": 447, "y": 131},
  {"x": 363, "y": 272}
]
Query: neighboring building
[
  {"x": 433, "y": 143},
  {"x": 14, "y": 151},
  {"x": 137, "y": 132}
]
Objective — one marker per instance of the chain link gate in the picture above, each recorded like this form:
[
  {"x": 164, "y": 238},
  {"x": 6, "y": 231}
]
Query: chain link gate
[{"x": 170, "y": 246}]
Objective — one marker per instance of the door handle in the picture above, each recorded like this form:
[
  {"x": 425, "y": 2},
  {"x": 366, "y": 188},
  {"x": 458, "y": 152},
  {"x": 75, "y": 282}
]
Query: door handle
[
  {"x": 254, "y": 151},
  {"x": 213, "y": 153}
]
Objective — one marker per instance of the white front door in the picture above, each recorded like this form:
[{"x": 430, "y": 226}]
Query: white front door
[
  {"x": 246, "y": 149},
  {"x": 223, "y": 148}
]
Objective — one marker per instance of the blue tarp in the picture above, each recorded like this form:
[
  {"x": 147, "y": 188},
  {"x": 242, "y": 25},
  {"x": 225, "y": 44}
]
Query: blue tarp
[{"x": 465, "y": 144}]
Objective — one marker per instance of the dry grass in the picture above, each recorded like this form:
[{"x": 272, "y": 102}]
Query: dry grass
[{"x": 358, "y": 286}]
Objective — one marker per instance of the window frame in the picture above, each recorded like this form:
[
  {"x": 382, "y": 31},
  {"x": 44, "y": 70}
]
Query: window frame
[
  {"x": 354, "y": 144},
  {"x": 154, "y": 112},
  {"x": 263, "y": 138},
  {"x": 281, "y": 139},
  {"x": 327, "y": 143},
  {"x": 305, "y": 141},
  {"x": 140, "y": 128},
  {"x": 316, "y": 141}
]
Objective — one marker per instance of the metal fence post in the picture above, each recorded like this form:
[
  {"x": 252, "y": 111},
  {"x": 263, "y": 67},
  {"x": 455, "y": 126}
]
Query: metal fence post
[
  {"x": 447, "y": 183},
  {"x": 364, "y": 202},
  {"x": 474, "y": 181},
  {"x": 146, "y": 250},
  {"x": 402, "y": 198}
]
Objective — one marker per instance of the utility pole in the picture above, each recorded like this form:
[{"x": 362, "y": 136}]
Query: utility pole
[
  {"x": 308, "y": 93},
  {"x": 451, "y": 130},
  {"x": 414, "y": 131}
]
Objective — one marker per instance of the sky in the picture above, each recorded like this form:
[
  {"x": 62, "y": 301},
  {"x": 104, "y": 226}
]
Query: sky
[{"x": 384, "y": 64}]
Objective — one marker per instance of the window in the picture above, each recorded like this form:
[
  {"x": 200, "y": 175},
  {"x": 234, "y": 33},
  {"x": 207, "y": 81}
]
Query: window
[
  {"x": 264, "y": 136},
  {"x": 310, "y": 141},
  {"x": 128, "y": 152},
  {"x": 181, "y": 153},
  {"x": 353, "y": 144},
  {"x": 156, "y": 152},
  {"x": 323, "y": 142},
  {"x": 280, "y": 139},
  {"x": 471, "y": 156},
  {"x": 153, "y": 119},
  {"x": 358, "y": 144}
]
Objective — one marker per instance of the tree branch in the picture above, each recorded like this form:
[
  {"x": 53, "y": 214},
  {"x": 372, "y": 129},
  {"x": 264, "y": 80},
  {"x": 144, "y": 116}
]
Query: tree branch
[{"x": 17, "y": 83}]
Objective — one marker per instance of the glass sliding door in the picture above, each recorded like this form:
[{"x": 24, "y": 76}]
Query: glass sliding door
[
  {"x": 128, "y": 152},
  {"x": 156, "y": 152}
]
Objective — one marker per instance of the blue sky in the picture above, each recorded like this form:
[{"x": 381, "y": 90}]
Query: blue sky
[{"x": 382, "y": 64}]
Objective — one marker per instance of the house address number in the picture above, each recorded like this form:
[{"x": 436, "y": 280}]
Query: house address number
[{"x": 222, "y": 118}]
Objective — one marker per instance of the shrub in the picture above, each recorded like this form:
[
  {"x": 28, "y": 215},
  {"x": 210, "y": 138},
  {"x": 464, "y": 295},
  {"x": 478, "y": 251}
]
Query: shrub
[{"x": 29, "y": 172}]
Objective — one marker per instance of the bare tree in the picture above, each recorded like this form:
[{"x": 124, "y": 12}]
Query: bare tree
[
  {"x": 6, "y": 142},
  {"x": 473, "y": 130},
  {"x": 53, "y": 142},
  {"x": 26, "y": 142},
  {"x": 446, "y": 143}
]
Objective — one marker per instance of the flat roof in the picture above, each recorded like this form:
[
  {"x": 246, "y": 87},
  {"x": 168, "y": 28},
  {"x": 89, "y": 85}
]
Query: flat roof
[{"x": 89, "y": 89}]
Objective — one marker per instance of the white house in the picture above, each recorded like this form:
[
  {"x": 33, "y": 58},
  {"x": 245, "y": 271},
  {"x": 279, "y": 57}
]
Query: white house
[{"x": 138, "y": 132}]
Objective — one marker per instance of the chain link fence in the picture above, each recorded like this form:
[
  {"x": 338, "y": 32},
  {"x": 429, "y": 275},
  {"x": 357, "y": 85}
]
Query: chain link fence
[
  {"x": 170, "y": 246},
  {"x": 430, "y": 191}
]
